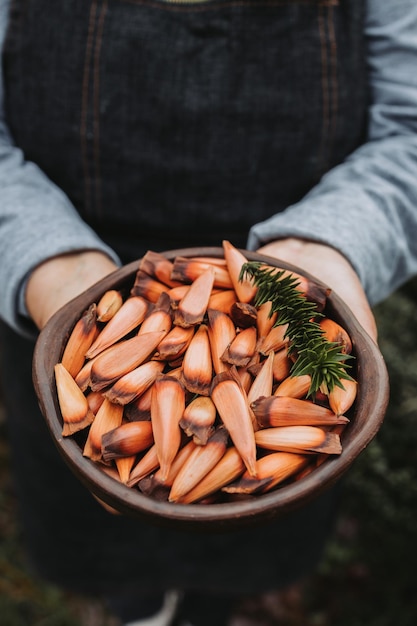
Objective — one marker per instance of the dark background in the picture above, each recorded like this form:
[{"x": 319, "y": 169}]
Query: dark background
[{"x": 367, "y": 576}]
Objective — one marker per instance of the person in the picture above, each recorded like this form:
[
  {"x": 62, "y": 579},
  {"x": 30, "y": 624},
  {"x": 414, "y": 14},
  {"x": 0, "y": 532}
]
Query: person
[{"x": 284, "y": 127}]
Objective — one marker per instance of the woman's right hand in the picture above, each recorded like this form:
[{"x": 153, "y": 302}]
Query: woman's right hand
[{"x": 60, "y": 279}]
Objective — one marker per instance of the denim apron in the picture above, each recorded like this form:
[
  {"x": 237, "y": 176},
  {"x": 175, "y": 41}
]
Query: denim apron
[{"x": 172, "y": 123}]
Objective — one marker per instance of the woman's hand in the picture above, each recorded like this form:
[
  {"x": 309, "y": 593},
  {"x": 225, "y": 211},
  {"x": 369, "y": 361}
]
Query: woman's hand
[
  {"x": 332, "y": 268},
  {"x": 60, "y": 279}
]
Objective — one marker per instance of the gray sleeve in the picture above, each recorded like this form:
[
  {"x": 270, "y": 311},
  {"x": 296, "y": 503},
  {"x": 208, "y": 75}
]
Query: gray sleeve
[
  {"x": 37, "y": 221},
  {"x": 367, "y": 206}
]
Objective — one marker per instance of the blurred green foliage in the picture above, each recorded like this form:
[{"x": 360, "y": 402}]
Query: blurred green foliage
[{"x": 368, "y": 575}]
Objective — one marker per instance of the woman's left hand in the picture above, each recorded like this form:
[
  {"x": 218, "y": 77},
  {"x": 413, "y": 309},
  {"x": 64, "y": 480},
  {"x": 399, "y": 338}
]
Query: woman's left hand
[{"x": 332, "y": 268}]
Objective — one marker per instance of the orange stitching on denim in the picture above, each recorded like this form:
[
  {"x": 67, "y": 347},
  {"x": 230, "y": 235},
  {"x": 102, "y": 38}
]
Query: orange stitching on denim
[
  {"x": 84, "y": 104},
  {"x": 206, "y": 6},
  {"x": 96, "y": 104},
  {"x": 334, "y": 87},
  {"x": 324, "y": 86}
]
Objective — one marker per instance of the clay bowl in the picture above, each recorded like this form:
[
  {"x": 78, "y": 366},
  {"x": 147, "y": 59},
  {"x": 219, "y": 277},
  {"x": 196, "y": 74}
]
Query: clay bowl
[{"x": 365, "y": 421}]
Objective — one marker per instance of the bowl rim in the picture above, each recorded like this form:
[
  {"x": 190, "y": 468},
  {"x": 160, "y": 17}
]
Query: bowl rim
[{"x": 131, "y": 501}]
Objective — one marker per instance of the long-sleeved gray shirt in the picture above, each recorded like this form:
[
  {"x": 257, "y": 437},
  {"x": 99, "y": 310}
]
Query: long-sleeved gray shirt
[{"x": 366, "y": 207}]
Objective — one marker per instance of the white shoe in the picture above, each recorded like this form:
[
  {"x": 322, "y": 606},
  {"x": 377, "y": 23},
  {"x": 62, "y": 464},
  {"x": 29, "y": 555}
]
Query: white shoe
[{"x": 165, "y": 615}]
